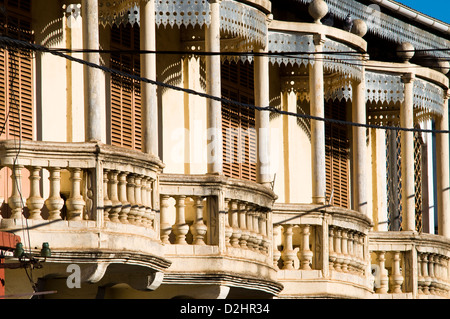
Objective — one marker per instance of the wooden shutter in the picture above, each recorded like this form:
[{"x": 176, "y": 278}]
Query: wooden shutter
[
  {"x": 16, "y": 68},
  {"x": 126, "y": 116},
  {"x": 337, "y": 155},
  {"x": 238, "y": 123}
]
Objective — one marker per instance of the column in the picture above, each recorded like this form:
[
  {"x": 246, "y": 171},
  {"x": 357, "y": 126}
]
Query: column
[
  {"x": 214, "y": 88},
  {"x": 262, "y": 118},
  {"x": 379, "y": 188},
  {"x": 443, "y": 179},
  {"x": 359, "y": 146},
  {"x": 317, "y": 127},
  {"x": 407, "y": 153},
  {"x": 148, "y": 69},
  {"x": 92, "y": 76}
]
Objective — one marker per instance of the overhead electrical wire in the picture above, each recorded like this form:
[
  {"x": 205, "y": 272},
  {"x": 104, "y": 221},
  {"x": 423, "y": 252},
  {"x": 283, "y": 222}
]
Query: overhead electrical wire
[{"x": 23, "y": 45}]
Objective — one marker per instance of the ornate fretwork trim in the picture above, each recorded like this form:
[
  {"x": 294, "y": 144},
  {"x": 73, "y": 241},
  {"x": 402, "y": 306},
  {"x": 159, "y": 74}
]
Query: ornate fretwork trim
[
  {"x": 387, "y": 27},
  {"x": 243, "y": 21},
  {"x": 116, "y": 12},
  {"x": 384, "y": 88},
  {"x": 336, "y": 87},
  {"x": 244, "y": 25},
  {"x": 291, "y": 42},
  {"x": 428, "y": 97},
  {"x": 336, "y": 57}
]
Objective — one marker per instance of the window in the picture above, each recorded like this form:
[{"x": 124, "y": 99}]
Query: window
[
  {"x": 337, "y": 147},
  {"x": 16, "y": 72},
  {"x": 125, "y": 92},
  {"x": 238, "y": 123}
]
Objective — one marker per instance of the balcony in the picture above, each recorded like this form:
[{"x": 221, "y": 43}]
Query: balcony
[
  {"x": 410, "y": 265},
  {"x": 218, "y": 231},
  {"x": 96, "y": 208},
  {"x": 321, "y": 252}
]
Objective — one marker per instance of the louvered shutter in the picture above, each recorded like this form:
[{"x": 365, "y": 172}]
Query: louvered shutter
[
  {"x": 238, "y": 123},
  {"x": 125, "y": 92},
  {"x": 16, "y": 68},
  {"x": 337, "y": 156}
]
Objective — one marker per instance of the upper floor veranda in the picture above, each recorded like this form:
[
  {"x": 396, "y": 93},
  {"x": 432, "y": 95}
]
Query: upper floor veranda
[{"x": 167, "y": 179}]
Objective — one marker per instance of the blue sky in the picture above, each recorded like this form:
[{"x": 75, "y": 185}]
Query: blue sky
[{"x": 439, "y": 9}]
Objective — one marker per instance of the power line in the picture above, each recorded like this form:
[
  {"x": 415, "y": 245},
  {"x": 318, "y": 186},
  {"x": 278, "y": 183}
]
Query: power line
[{"x": 35, "y": 47}]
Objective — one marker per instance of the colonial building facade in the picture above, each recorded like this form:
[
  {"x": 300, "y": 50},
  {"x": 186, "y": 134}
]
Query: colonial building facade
[{"x": 131, "y": 144}]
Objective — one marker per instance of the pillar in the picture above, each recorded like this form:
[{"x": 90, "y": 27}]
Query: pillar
[
  {"x": 262, "y": 118},
  {"x": 92, "y": 76},
  {"x": 407, "y": 153},
  {"x": 443, "y": 179},
  {"x": 316, "y": 85},
  {"x": 214, "y": 88},
  {"x": 360, "y": 195},
  {"x": 148, "y": 69}
]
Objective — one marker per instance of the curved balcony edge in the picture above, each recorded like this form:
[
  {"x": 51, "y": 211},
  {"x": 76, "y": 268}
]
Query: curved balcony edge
[{"x": 272, "y": 288}]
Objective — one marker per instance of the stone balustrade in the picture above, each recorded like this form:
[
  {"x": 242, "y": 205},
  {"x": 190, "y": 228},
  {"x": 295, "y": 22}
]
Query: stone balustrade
[
  {"x": 89, "y": 185},
  {"x": 321, "y": 250},
  {"x": 408, "y": 263},
  {"x": 72, "y": 184},
  {"x": 217, "y": 230},
  {"x": 214, "y": 210}
]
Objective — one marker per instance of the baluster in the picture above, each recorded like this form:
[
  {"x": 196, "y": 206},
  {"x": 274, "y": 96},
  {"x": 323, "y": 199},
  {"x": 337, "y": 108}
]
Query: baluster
[
  {"x": 438, "y": 275},
  {"x": 288, "y": 254},
  {"x": 151, "y": 204},
  {"x": 145, "y": 219},
  {"x": 432, "y": 263},
  {"x": 384, "y": 279},
  {"x": 446, "y": 274},
  {"x": 228, "y": 229},
  {"x": 245, "y": 234},
  {"x": 337, "y": 247},
  {"x": 306, "y": 254},
  {"x": 15, "y": 201},
  {"x": 396, "y": 277},
  {"x": 116, "y": 205},
  {"x": 75, "y": 203},
  {"x": 252, "y": 236},
  {"x": 351, "y": 252},
  {"x": 257, "y": 230},
  {"x": 140, "y": 209},
  {"x": 357, "y": 247},
  {"x": 263, "y": 229},
  {"x": 332, "y": 253},
  {"x": 236, "y": 235},
  {"x": 345, "y": 256},
  {"x": 276, "y": 251},
  {"x": 180, "y": 229},
  {"x": 35, "y": 202},
  {"x": 126, "y": 206},
  {"x": 107, "y": 203},
  {"x": 426, "y": 277},
  {"x": 199, "y": 229},
  {"x": 166, "y": 228},
  {"x": 54, "y": 202},
  {"x": 420, "y": 278},
  {"x": 361, "y": 252},
  {"x": 131, "y": 187}
]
